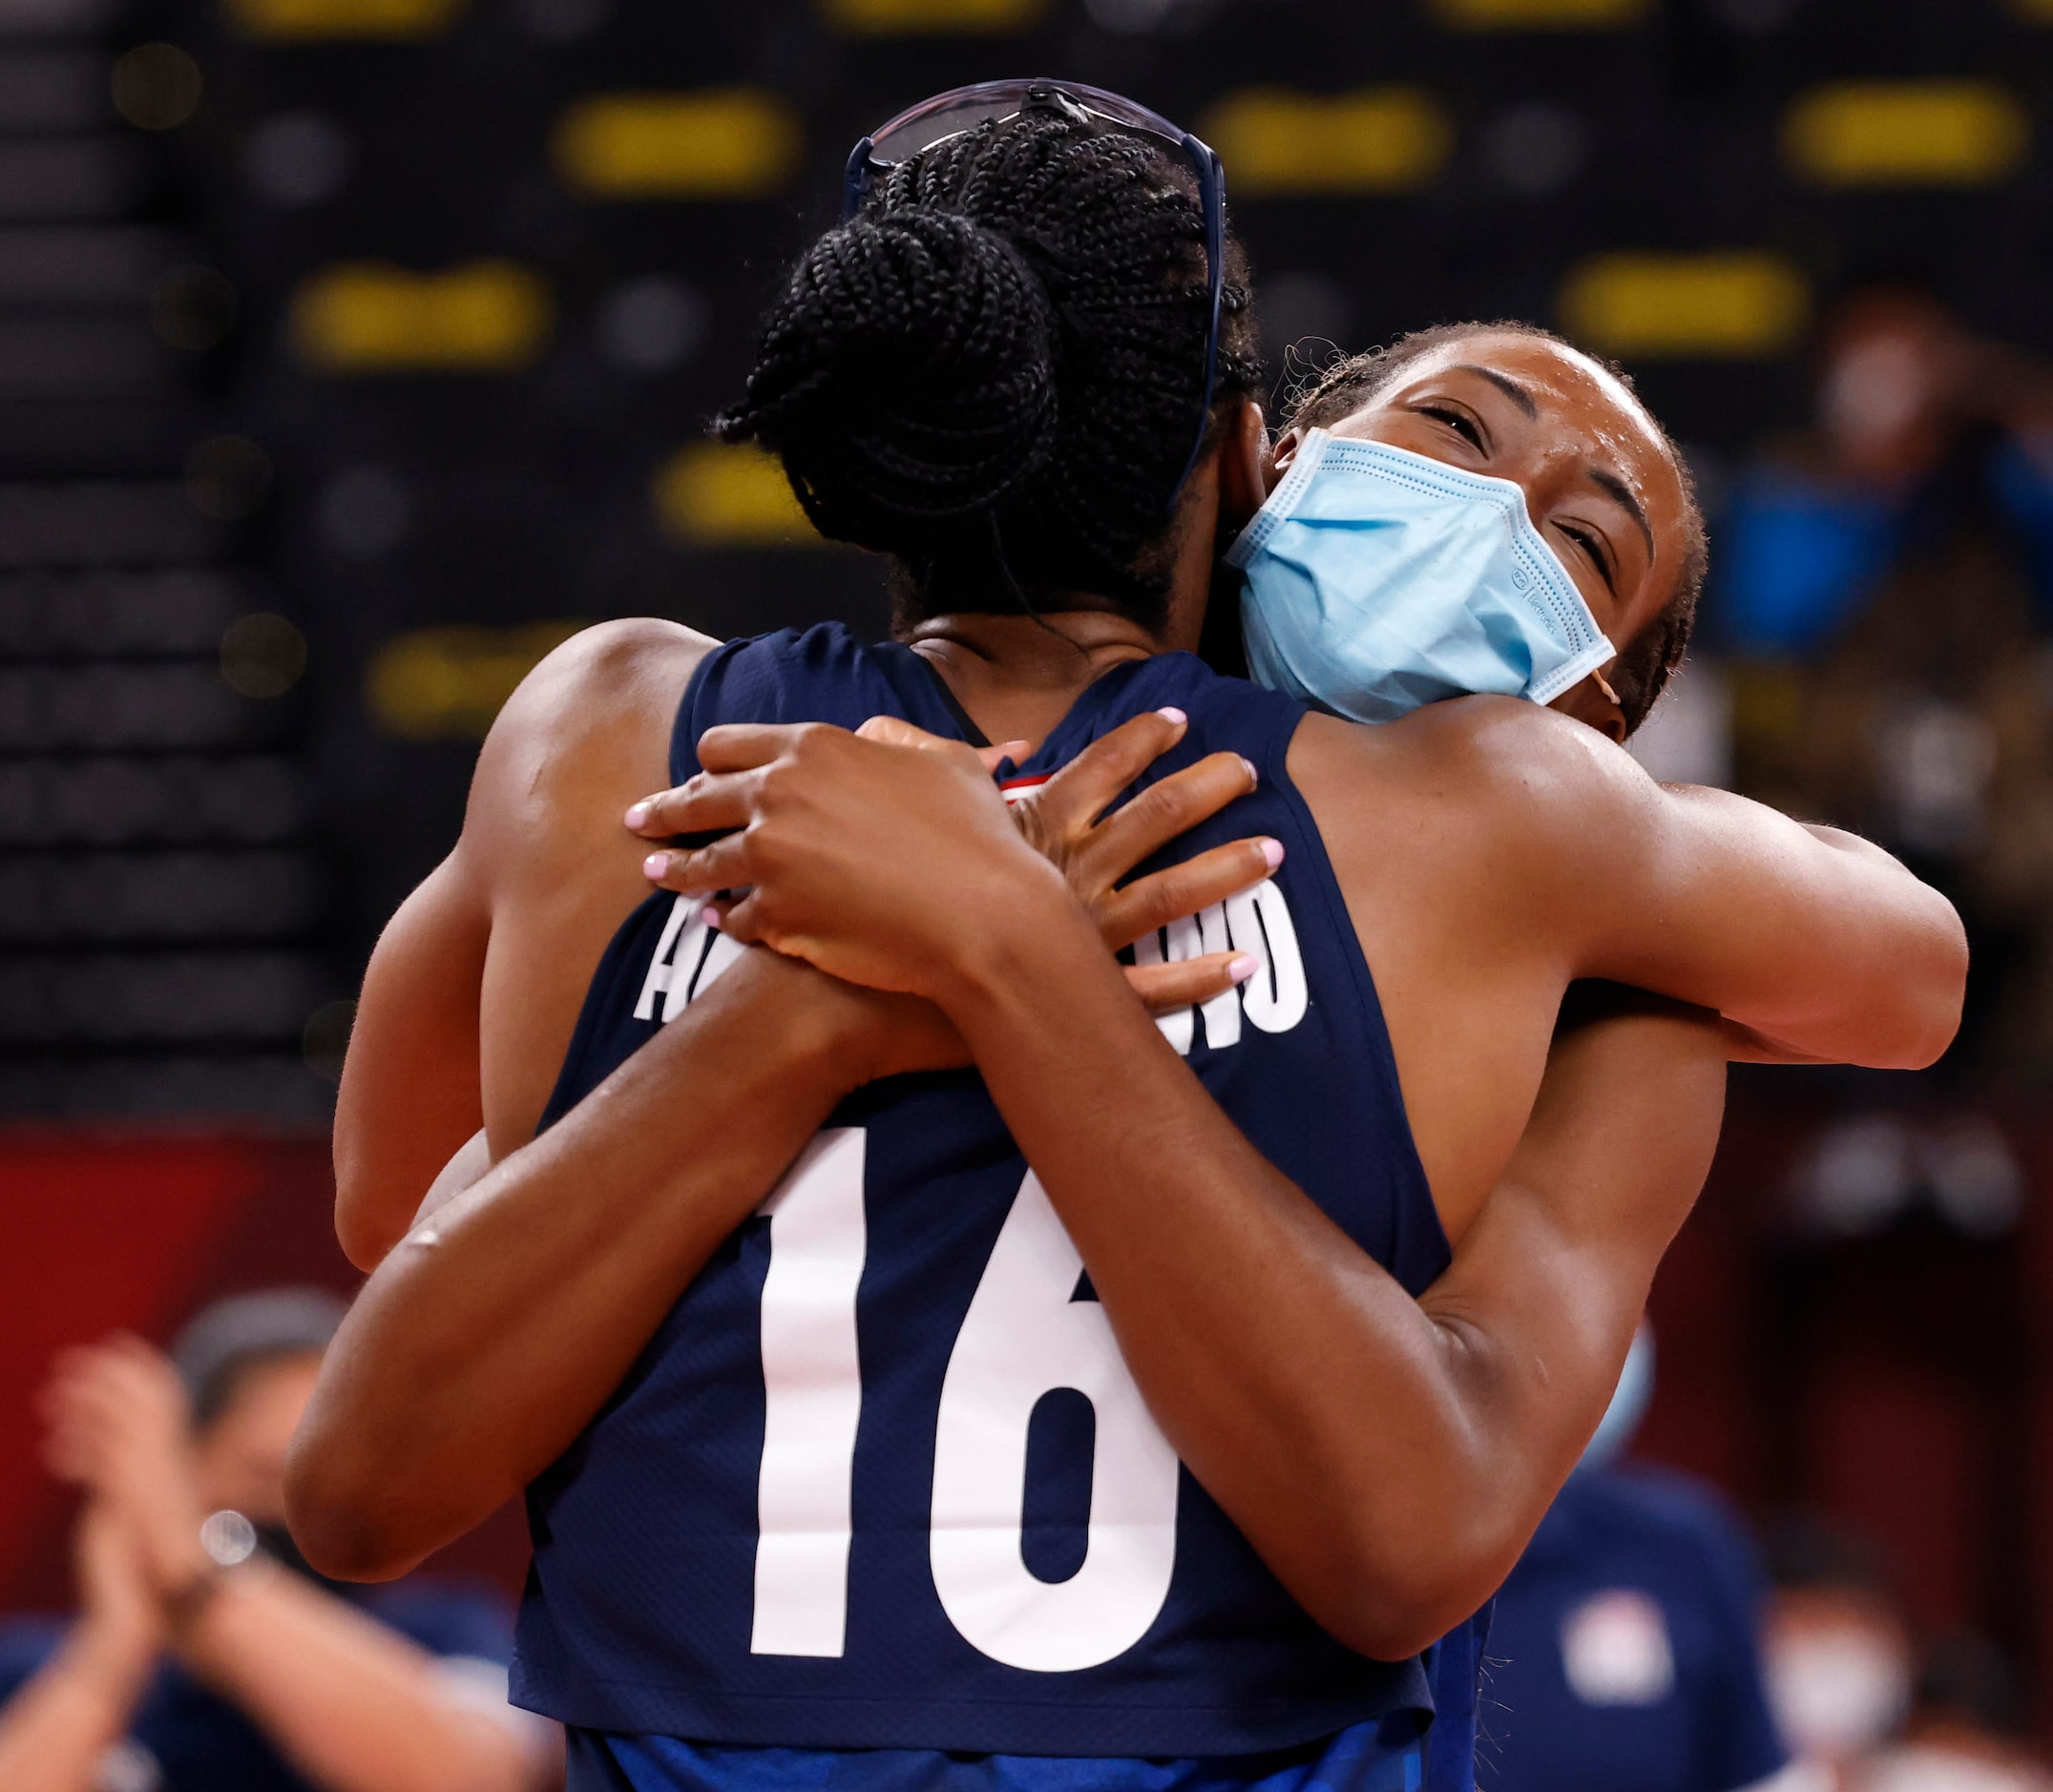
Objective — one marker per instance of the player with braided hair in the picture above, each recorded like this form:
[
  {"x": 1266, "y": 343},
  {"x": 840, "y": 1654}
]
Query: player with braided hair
[
  {"x": 907, "y": 376},
  {"x": 1180, "y": 1458}
]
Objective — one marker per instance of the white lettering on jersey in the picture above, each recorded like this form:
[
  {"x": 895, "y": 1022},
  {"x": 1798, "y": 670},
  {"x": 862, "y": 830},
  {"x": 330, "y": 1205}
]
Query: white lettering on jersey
[
  {"x": 812, "y": 1398},
  {"x": 1026, "y": 1333},
  {"x": 1257, "y": 922},
  {"x": 689, "y": 958},
  {"x": 676, "y": 957}
]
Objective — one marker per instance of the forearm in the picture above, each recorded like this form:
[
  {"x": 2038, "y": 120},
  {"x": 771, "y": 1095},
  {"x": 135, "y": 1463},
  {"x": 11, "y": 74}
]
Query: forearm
[
  {"x": 55, "y": 1729},
  {"x": 354, "y": 1706},
  {"x": 1388, "y": 1457},
  {"x": 1905, "y": 962},
  {"x": 487, "y": 1340},
  {"x": 1815, "y": 941},
  {"x": 409, "y": 1086},
  {"x": 1314, "y": 1398}
]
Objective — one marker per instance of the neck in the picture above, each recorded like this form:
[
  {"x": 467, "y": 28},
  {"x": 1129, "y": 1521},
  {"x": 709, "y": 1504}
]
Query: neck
[{"x": 1018, "y": 675}]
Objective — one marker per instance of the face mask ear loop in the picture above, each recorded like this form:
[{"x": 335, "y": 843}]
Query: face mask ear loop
[{"x": 1610, "y": 696}]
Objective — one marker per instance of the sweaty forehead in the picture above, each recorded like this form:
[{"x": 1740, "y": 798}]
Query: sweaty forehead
[{"x": 1572, "y": 393}]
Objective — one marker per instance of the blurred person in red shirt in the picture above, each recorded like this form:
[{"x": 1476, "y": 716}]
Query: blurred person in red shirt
[{"x": 206, "y": 1655}]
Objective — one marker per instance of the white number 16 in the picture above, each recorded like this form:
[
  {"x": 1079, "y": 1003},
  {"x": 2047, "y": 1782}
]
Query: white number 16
[{"x": 1024, "y": 1335}]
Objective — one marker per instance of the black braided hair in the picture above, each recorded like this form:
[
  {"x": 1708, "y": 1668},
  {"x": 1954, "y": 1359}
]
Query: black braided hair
[
  {"x": 1644, "y": 662},
  {"x": 993, "y": 372}
]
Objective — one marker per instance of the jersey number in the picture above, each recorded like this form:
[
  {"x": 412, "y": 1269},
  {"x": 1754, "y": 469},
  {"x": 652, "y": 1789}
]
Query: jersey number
[{"x": 1025, "y": 1335}]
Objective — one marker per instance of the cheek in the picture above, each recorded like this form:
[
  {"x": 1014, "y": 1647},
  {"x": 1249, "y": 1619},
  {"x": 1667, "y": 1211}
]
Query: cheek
[{"x": 1611, "y": 615}]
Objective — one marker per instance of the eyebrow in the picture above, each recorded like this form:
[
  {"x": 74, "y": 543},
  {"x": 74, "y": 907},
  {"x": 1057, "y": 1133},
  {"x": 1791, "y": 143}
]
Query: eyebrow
[
  {"x": 1604, "y": 480},
  {"x": 1511, "y": 388}
]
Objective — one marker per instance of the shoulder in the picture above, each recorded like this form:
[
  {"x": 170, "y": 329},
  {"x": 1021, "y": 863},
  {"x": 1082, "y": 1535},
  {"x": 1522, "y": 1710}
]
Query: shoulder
[
  {"x": 590, "y": 721},
  {"x": 1495, "y": 775},
  {"x": 576, "y": 690},
  {"x": 786, "y": 676},
  {"x": 1497, "y": 747}
]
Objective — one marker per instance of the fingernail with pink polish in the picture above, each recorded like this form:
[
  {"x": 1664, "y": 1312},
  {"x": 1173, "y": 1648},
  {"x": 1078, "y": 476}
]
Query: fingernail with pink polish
[
  {"x": 710, "y": 915},
  {"x": 655, "y": 864},
  {"x": 1243, "y": 968},
  {"x": 1176, "y": 715},
  {"x": 1272, "y": 853},
  {"x": 1249, "y": 765},
  {"x": 637, "y": 816}
]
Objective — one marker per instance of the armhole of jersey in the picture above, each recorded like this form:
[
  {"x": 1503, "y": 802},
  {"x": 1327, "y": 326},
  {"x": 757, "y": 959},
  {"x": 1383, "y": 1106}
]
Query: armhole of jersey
[
  {"x": 684, "y": 737},
  {"x": 560, "y": 1098},
  {"x": 1342, "y": 922}
]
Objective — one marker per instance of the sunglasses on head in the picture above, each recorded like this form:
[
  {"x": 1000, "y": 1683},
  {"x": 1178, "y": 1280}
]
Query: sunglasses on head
[{"x": 963, "y": 108}]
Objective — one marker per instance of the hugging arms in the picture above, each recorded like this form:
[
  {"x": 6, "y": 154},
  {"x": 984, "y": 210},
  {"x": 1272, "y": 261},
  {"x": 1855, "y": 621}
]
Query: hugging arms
[{"x": 484, "y": 1343}]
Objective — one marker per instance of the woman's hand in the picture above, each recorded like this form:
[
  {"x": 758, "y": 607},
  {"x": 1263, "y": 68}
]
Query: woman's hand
[
  {"x": 828, "y": 824},
  {"x": 119, "y": 1428}
]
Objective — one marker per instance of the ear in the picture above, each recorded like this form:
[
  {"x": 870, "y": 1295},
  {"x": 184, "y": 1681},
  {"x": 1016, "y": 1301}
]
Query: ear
[
  {"x": 1281, "y": 457},
  {"x": 1593, "y": 703},
  {"x": 1243, "y": 450}
]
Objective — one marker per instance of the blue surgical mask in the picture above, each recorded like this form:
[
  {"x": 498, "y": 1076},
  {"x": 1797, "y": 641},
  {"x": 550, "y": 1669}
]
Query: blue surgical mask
[{"x": 1378, "y": 581}]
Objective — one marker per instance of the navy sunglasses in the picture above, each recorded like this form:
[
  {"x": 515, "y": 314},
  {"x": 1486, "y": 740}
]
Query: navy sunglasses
[{"x": 964, "y": 107}]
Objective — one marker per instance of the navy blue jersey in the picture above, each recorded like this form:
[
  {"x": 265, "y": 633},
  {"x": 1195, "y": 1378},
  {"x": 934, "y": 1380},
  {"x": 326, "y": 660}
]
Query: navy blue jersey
[
  {"x": 882, "y": 1479},
  {"x": 1626, "y": 1656}
]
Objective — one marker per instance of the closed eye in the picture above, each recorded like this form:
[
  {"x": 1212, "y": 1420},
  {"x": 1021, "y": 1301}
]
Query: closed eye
[
  {"x": 1595, "y": 549},
  {"x": 1458, "y": 421}
]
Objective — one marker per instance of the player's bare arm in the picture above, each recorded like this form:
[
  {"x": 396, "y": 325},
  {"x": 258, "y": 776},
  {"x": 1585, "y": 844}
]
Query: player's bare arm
[
  {"x": 1809, "y": 936},
  {"x": 540, "y": 864},
  {"x": 1536, "y": 852}
]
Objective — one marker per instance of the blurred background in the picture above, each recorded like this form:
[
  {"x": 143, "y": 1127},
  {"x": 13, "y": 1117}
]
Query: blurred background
[{"x": 353, "y": 352}]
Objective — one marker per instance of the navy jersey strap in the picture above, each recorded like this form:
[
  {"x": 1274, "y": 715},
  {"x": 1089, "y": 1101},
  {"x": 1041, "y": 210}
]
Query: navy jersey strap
[{"x": 784, "y": 677}]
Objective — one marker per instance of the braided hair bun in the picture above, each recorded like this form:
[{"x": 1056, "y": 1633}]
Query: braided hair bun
[
  {"x": 993, "y": 371},
  {"x": 907, "y": 378}
]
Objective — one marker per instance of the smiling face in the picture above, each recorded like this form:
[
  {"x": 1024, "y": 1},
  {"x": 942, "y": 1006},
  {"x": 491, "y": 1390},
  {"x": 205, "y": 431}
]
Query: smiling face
[{"x": 1601, "y": 483}]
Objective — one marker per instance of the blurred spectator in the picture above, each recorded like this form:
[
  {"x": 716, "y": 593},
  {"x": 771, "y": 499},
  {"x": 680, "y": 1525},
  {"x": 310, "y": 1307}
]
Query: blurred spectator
[
  {"x": 1626, "y": 1647},
  {"x": 207, "y": 1656},
  {"x": 1919, "y": 428},
  {"x": 1840, "y": 1660},
  {"x": 1884, "y": 589},
  {"x": 1963, "y": 1734}
]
